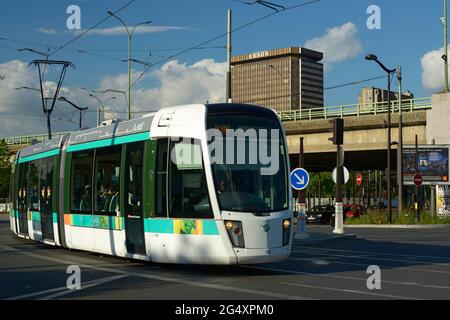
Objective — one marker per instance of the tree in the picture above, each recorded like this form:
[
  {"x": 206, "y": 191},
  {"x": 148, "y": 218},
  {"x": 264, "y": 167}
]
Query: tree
[{"x": 5, "y": 169}]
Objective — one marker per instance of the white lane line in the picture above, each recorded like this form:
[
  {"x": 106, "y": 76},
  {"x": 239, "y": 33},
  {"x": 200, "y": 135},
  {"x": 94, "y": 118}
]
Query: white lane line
[
  {"x": 368, "y": 257},
  {"x": 350, "y": 291},
  {"x": 86, "y": 285},
  {"x": 163, "y": 278},
  {"x": 316, "y": 275},
  {"x": 83, "y": 286},
  {"x": 373, "y": 253},
  {"x": 415, "y": 284}
]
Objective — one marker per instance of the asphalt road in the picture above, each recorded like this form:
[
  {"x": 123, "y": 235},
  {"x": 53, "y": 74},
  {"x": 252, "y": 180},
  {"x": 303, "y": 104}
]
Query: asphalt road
[{"x": 415, "y": 264}]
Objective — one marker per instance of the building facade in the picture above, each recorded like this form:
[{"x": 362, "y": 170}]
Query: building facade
[
  {"x": 370, "y": 96},
  {"x": 282, "y": 79}
]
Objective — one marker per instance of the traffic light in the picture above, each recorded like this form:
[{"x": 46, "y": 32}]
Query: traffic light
[{"x": 338, "y": 131}]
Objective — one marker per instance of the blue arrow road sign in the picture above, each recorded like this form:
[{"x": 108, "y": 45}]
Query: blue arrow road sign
[{"x": 299, "y": 179}]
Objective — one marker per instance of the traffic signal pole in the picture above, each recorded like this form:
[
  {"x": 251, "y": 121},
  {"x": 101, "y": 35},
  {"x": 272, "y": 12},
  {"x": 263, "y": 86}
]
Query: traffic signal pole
[{"x": 339, "y": 209}]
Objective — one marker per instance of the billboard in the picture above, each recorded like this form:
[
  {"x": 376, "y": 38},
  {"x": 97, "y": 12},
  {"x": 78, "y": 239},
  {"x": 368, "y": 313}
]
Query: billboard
[
  {"x": 432, "y": 163},
  {"x": 443, "y": 201}
]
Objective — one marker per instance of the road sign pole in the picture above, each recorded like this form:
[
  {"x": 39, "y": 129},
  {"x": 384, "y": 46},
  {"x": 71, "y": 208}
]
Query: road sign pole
[
  {"x": 301, "y": 209},
  {"x": 416, "y": 200},
  {"x": 339, "y": 211}
]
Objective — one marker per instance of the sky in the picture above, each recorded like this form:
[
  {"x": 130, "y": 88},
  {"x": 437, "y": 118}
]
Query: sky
[{"x": 410, "y": 35}]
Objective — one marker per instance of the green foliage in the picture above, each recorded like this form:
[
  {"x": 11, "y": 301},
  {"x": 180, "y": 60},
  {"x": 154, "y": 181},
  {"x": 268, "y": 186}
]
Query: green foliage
[
  {"x": 380, "y": 216},
  {"x": 5, "y": 169},
  {"x": 326, "y": 184}
]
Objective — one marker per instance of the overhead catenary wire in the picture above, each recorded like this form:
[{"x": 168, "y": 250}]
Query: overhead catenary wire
[
  {"x": 90, "y": 29},
  {"x": 224, "y": 34}
]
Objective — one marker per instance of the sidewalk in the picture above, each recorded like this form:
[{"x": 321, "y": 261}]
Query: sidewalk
[{"x": 322, "y": 234}]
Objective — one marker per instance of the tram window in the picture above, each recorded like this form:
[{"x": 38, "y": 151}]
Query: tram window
[
  {"x": 161, "y": 178},
  {"x": 188, "y": 191},
  {"x": 107, "y": 173},
  {"x": 22, "y": 187},
  {"x": 81, "y": 182},
  {"x": 33, "y": 185},
  {"x": 134, "y": 177}
]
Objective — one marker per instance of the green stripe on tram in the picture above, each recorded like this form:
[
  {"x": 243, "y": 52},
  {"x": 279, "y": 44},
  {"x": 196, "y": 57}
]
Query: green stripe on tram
[
  {"x": 181, "y": 226},
  {"x": 39, "y": 156},
  {"x": 35, "y": 216},
  {"x": 55, "y": 217},
  {"x": 109, "y": 142}
]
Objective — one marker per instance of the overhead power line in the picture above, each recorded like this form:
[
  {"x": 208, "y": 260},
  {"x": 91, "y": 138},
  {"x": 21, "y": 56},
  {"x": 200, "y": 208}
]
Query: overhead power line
[
  {"x": 91, "y": 28},
  {"x": 223, "y": 35}
]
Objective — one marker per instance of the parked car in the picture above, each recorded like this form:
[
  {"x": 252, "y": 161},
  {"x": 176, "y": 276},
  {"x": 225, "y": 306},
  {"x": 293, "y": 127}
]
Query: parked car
[
  {"x": 320, "y": 214},
  {"x": 352, "y": 210}
]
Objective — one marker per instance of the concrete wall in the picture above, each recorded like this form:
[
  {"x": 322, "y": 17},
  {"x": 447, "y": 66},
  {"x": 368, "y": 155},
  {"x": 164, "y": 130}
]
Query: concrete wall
[
  {"x": 361, "y": 133},
  {"x": 438, "y": 119}
]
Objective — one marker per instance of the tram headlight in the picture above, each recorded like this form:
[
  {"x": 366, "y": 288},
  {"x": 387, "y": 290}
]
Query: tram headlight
[
  {"x": 235, "y": 233},
  {"x": 286, "y": 231}
]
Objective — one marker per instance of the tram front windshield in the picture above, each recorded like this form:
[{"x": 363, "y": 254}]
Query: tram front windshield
[{"x": 249, "y": 166}]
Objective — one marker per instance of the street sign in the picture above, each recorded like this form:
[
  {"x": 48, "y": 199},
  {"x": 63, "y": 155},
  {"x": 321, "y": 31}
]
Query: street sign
[
  {"x": 358, "y": 179},
  {"x": 418, "y": 179},
  {"x": 346, "y": 174},
  {"x": 299, "y": 179}
]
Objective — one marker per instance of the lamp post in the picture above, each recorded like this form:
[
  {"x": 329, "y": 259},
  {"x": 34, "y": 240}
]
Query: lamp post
[
  {"x": 130, "y": 34},
  {"x": 372, "y": 57},
  {"x": 76, "y": 107},
  {"x": 102, "y": 104}
]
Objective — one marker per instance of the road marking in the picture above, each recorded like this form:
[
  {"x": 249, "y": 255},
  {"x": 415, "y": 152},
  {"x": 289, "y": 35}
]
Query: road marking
[
  {"x": 373, "y": 253},
  {"x": 162, "y": 278},
  {"x": 381, "y": 266},
  {"x": 350, "y": 291},
  {"x": 368, "y": 257},
  {"x": 85, "y": 285},
  {"x": 316, "y": 275}
]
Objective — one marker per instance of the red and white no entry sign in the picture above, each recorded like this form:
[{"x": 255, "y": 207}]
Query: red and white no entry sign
[
  {"x": 359, "y": 179},
  {"x": 418, "y": 179}
]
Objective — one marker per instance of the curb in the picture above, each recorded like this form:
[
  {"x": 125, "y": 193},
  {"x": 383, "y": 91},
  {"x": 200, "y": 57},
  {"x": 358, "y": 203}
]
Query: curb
[
  {"x": 325, "y": 240},
  {"x": 398, "y": 226}
]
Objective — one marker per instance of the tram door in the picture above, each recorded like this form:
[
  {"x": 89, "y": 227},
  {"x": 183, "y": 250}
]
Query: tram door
[
  {"x": 46, "y": 194},
  {"x": 22, "y": 199},
  {"x": 134, "y": 214}
]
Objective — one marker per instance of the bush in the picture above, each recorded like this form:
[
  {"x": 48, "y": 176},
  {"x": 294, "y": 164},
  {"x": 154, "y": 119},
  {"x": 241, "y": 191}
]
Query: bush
[{"x": 380, "y": 216}]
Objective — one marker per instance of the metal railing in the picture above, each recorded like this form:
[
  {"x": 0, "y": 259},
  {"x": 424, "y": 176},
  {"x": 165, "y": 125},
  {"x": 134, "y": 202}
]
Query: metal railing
[
  {"x": 341, "y": 111},
  {"x": 24, "y": 140}
]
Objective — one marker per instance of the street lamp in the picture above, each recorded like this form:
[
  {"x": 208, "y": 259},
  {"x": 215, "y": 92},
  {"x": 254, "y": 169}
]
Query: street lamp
[
  {"x": 130, "y": 34},
  {"x": 102, "y": 104},
  {"x": 76, "y": 107},
  {"x": 372, "y": 57}
]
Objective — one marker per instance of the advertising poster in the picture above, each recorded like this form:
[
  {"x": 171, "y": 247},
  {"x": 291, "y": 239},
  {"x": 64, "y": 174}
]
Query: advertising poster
[{"x": 432, "y": 164}]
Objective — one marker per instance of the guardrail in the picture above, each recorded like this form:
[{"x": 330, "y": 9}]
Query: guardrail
[
  {"x": 341, "y": 111},
  {"x": 24, "y": 140}
]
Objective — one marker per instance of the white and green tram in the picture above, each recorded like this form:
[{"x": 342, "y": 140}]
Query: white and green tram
[{"x": 118, "y": 189}]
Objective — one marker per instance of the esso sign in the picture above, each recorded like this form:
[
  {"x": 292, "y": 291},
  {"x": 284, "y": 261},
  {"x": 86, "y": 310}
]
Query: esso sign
[{"x": 359, "y": 179}]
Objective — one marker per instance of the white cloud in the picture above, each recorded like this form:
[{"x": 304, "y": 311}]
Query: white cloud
[
  {"x": 433, "y": 70},
  {"x": 180, "y": 83},
  {"x": 338, "y": 44},
  {"x": 176, "y": 83},
  {"x": 47, "y": 31},
  {"x": 120, "y": 30}
]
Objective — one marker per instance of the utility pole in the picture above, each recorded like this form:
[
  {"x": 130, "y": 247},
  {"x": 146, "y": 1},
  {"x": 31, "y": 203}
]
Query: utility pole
[
  {"x": 400, "y": 144},
  {"x": 445, "y": 56},
  {"x": 416, "y": 202},
  {"x": 228, "y": 85}
]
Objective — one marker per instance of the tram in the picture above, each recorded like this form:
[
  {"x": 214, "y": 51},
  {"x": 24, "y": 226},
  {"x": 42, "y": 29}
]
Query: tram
[{"x": 154, "y": 188}]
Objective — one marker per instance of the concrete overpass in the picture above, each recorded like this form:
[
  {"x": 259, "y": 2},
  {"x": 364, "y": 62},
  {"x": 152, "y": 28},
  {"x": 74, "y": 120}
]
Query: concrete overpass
[{"x": 365, "y": 135}]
